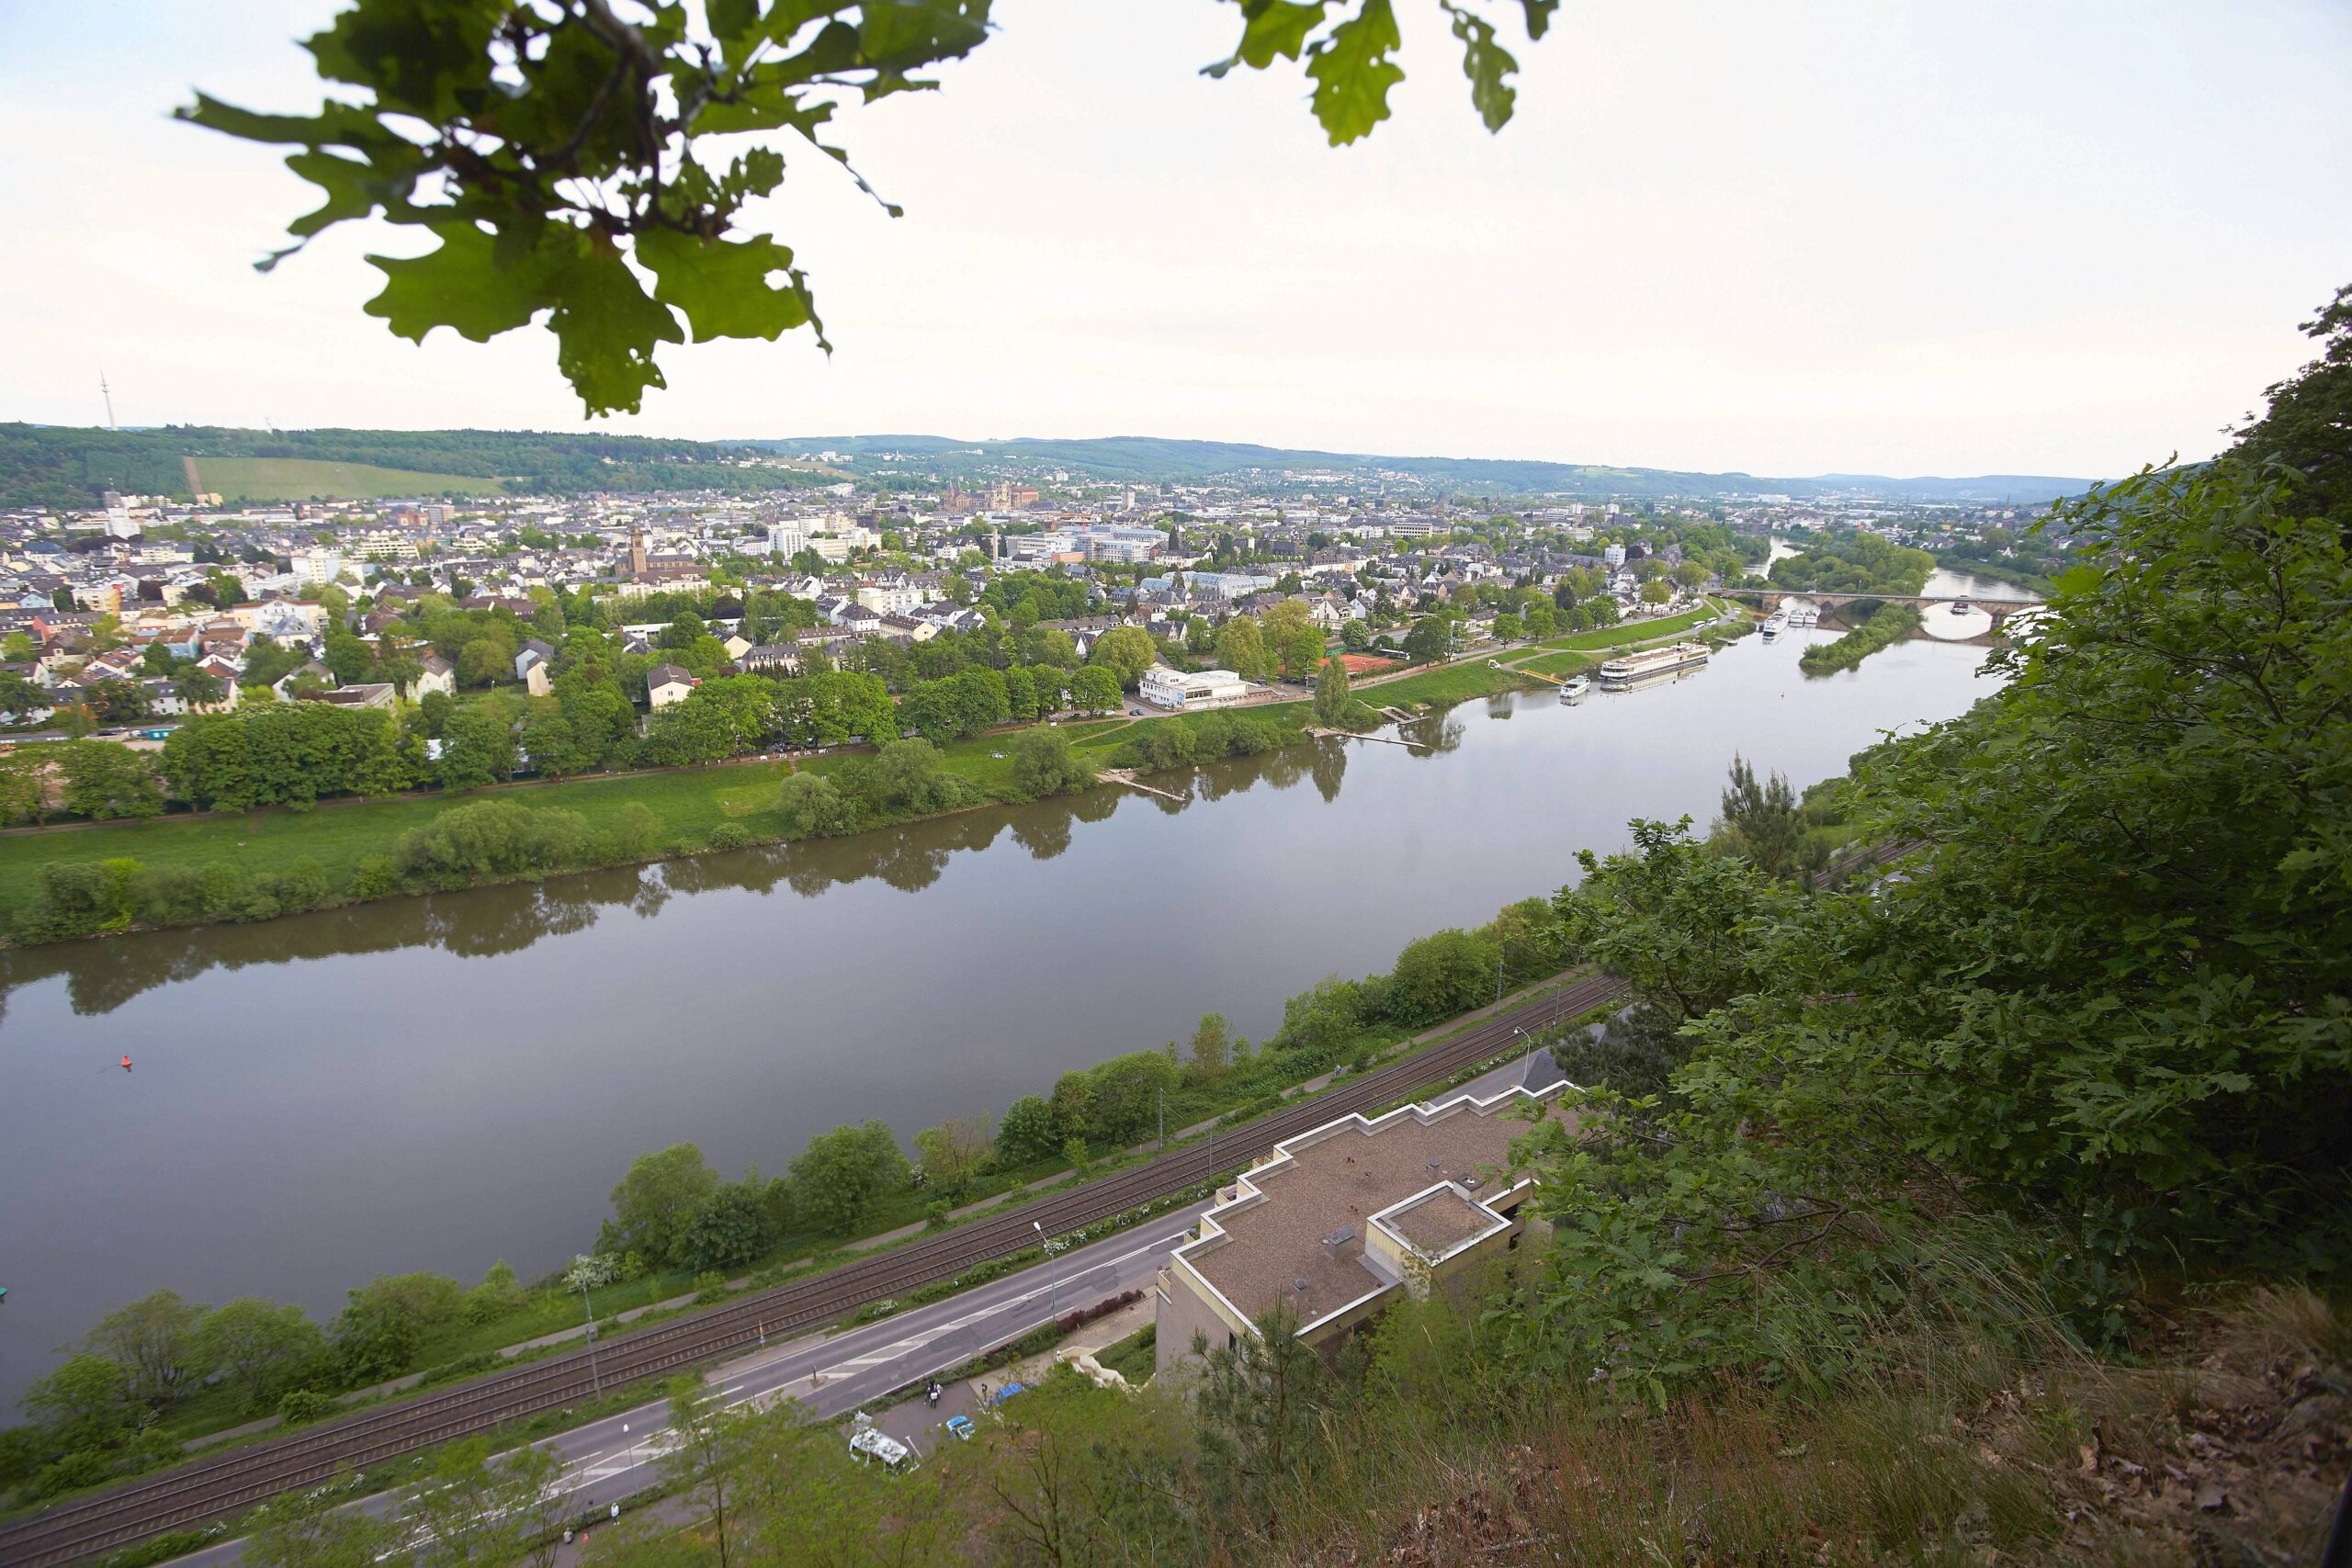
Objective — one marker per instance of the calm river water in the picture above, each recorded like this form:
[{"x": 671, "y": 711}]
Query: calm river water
[{"x": 435, "y": 1083}]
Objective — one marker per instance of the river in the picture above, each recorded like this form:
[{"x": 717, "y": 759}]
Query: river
[
  {"x": 435, "y": 1083},
  {"x": 1942, "y": 583}
]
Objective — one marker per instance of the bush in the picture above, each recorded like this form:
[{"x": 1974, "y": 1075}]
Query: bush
[
  {"x": 1442, "y": 974},
  {"x": 731, "y": 836},
  {"x": 1043, "y": 764},
  {"x": 1322, "y": 1018},
  {"x": 1027, "y": 1134},
  {"x": 636, "y": 832},
  {"x": 499, "y": 1294},
  {"x": 495, "y": 838},
  {"x": 812, "y": 807},
  {"x": 300, "y": 1406},
  {"x": 81, "y": 899},
  {"x": 300, "y": 886},
  {"x": 376, "y": 877},
  {"x": 386, "y": 1322}
]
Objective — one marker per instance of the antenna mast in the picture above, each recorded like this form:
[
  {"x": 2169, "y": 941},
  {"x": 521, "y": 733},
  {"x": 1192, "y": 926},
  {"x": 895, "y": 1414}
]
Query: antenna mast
[{"x": 108, "y": 393}]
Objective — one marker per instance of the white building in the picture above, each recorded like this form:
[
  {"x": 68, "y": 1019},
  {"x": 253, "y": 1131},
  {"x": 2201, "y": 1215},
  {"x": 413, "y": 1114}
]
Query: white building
[
  {"x": 667, "y": 683},
  {"x": 1175, "y": 689}
]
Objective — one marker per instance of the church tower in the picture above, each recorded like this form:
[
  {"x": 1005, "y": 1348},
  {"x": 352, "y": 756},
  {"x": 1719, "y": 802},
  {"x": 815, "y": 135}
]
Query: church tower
[{"x": 636, "y": 550}]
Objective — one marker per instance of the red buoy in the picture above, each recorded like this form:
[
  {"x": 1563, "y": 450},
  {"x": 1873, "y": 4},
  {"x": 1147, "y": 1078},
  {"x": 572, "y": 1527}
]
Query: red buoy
[{"x": 126, "y": 1064}]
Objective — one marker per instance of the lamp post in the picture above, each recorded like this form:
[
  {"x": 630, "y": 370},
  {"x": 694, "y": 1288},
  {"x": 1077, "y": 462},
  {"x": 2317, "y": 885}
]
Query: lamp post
[
  {"x": 1053, "y": 1279},
  {"x": 586, "y": 1271}
]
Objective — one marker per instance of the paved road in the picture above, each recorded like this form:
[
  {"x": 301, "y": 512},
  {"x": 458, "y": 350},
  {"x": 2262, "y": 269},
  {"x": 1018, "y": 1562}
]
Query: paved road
[{"x": 610, "y": 1460}]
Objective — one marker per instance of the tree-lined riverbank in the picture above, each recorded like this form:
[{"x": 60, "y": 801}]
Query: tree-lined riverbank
[{"x": 81, "y": 881}]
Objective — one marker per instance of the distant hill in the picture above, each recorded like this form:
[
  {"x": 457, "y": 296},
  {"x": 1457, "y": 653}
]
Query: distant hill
[
  {"x": 1144, "y": 458},
  {"x": 66, "y": 466}
]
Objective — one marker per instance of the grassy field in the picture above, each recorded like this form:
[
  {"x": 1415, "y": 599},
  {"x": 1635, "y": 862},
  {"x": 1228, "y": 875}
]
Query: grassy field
[
  {"x": 1564, "y": 663},
  {"x": 1448, "y": 683},
  {"x": 299, "y": 479},
  {"x": 1632, "y": 631}
]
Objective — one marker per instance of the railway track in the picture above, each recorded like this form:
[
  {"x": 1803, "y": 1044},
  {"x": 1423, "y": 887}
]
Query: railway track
[{"x": 210, "y": 1489}]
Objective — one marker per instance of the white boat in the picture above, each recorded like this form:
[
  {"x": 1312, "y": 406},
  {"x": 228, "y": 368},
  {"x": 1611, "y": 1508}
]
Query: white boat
[
  {"x": 1776, "y": 623},
  {"x": 1802, "y": 615},
  {"x": 1654, "y": 664},
  {"x": 1959, "y": 606},
  {"x": 1575, "y": 688}
]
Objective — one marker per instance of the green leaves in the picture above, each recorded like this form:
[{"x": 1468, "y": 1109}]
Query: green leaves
[
  {"x": 1270, "y": 28},
  {"x": 721, "y": 285},
  {"x": 550, "y": 148},
  {"x": 1352, "y": 73},
  {"x": 606, "y": 329},
  {"x": 1486, "y": 62},
  {"x": 1353, "y": 65},
  {"x": 458, "y": 285}
]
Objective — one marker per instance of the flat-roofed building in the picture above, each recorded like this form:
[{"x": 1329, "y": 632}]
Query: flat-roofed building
[
  {"x": 1330, "y": 1225},
  {"x": 1177, "y": 690}
]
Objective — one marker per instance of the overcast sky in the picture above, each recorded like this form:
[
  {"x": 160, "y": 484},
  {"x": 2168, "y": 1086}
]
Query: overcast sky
[{"x": 1782, "y": 238}]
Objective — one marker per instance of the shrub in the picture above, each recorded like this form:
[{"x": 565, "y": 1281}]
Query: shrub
[
  {"x": 1027, "y": 1133},
  {"x": 168, "y": 894},
  {"x": 812, "y": 807},
  {"x": 1043, "y": 764},
  {"x": 1442, "y": 974},
  {"x": 635, "y": 833},
  {"x": 300, "y": 1406},
  {"x": 300, "y": 886},
  {"x": 376, "y": 876},
  {"x": 731, "y": 836},
  {"x": 495, "y": 838}
]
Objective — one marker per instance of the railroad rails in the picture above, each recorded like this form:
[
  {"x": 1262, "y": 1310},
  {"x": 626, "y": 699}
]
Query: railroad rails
[{"x": 210, "y": 1489}]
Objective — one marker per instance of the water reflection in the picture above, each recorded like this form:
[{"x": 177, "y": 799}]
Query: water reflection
[
  {"x": 486, "y": 922},
  {"x": 1432, "y": 734}
]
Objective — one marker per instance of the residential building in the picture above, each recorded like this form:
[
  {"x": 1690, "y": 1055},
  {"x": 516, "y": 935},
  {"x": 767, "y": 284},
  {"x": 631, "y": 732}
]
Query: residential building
[
  {"x": 439, "y": 675},
  {"x": 365, "y": 694},
  {"x": 667, "y": 683},
  {"x": 1331, "y": 1225}
]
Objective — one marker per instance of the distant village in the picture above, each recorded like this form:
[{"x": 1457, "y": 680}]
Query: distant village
[{"x": 121, "y": 619}]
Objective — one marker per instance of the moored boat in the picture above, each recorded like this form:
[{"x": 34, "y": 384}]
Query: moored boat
[
  {"x": 1653, "y": 664},
  {"x": 1575, "y": 688}
]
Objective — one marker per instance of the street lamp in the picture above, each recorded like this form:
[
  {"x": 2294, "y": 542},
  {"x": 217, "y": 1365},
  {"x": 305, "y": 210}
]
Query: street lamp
[
  {"x": 584, "y": 1272},
  {"x": 1053, "y": 1279}
]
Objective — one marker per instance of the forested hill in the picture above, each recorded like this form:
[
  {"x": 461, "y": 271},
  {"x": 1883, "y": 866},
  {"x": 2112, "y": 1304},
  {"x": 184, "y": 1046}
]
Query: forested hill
[
  {"x": 61, "y": 465},
  {"x": 1146, "y": 458}
]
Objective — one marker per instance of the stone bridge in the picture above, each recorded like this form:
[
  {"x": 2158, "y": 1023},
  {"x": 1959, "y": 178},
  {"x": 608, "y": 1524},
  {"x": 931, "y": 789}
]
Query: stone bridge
[{"x": 1768, "y": 599}]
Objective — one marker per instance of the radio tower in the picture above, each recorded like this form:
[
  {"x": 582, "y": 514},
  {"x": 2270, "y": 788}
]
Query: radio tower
[{"x": 108, "y": 393}]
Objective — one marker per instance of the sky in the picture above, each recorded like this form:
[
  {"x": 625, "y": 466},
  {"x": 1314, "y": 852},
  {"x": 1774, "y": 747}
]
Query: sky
[{"x": 1781, "y": 238}]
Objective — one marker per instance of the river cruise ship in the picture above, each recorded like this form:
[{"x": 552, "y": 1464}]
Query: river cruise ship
[
  {"x": 1654, "y": 664},
  {"x": 1775, "y": 624}
]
